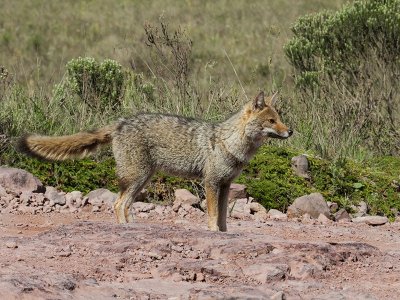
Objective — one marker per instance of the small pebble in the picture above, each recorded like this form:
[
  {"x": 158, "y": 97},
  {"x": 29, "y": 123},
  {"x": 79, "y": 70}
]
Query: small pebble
[{"x": 11, "y": 245}]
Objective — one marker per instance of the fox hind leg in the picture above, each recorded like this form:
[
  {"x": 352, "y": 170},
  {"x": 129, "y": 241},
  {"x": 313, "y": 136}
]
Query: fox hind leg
[
  {"x": 130, "y": 187},
  {"x": 223, "y": 206}
]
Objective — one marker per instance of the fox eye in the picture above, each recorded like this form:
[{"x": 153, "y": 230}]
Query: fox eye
[{"x": 272, "y": 121}]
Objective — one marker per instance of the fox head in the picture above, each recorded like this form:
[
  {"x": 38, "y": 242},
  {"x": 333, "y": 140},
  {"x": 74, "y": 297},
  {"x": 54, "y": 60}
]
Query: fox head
[{"x": 262, "y": 120}]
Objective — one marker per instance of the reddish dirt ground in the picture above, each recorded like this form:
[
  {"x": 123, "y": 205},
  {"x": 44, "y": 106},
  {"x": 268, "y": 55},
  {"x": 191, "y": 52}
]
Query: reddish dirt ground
[{"x": 89, "y": 256}]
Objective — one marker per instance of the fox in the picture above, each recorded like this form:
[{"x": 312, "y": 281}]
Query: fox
[{"x": 180, "y": 146}]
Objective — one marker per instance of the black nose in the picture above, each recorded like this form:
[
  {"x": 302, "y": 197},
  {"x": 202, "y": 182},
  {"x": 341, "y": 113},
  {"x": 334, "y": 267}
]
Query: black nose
[{"x": 290, "y": 131}]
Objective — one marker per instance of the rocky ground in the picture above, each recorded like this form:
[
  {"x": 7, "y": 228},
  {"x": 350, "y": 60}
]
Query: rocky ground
[
  {"x": 65, "y": 246},
  {"x": 88, "y": 256}
]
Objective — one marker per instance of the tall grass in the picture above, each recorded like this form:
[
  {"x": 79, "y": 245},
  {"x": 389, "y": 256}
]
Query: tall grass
[{"x": 347, "y": 66}]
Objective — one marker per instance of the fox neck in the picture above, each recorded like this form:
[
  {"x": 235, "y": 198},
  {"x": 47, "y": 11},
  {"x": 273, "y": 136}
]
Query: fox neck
[{"x": 232, "y": 134}]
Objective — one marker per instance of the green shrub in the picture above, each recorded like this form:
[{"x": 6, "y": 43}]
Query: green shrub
[
  {"x": 97, "y": 84},
  {"x": 272, "y": 182},
  {"x": 337, "y": 43},
  {"x": 347, "y": 65}
]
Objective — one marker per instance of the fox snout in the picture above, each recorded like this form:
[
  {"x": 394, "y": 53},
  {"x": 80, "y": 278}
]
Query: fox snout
[
  {"x": 286, "y": 134},
  {"x": 279, "y": 133}
]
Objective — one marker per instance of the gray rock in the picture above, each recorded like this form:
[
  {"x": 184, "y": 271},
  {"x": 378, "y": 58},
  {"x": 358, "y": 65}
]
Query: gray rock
[
  {"x": 300, "y": 166},
  {"x": 101, "y": 196},
  {"x": 18, "y": 181},
  {"x": 256, "y": 207},
  {"x": 324, "y": 219},
  {"x": 38, "y": 198},
  {"x": 11, "y": 245},
  {"x": 342, "y": 215},
  {"x": 237, "y": 191},
  {"x": 143, "y": 207},
  {"x": 183, "y": 196},
  {"x": 95, "y": 208},
  {"x": 54, "y": 196},
  {"x": 313, "y": 204},
  {"x": 371, "y": 220},
  {"x": 276, "y": 214},
  {"x": 25, "y": 198},
  {"x": 278, "y": 296},
  {"x": 240, "y": 208},
  {"x": 266, "y": 272},
  {"x": 3, "y": 191},
  {"x": 74, "y": 199},
  {"x": 27, "y": 209},
  {"x": 360, "y": 210}
]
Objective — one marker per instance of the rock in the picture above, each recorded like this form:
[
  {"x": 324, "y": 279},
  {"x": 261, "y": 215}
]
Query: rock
[
  {"x": 159, "y": 209},
  {"x": 95, "y": 208},
  {"x": 27, "y": 209},
  {"x": 17, "y": 181},
  {"x": 74, "y": 199},
  {"x": 371, "y": 220},
  {"x": 54, "y": 196},
  {"x": 240, "y": 208},
  {"x": 183, "y": 196},
  {"x": 361, "y": 209},
  {"x": 260, "y": 216},
  {"x": 38, "y": 198},
  {"x": 342, "y": 215},
  {"x": 313, "y": 204},
  {"x": 266, "y": 272},
  {"x": 323, "y": 219},
  {"x": 306, "y": 219},
  {"x": 25, "y": 198},
  {"x": 11, "y": 245},
  {"x": 143, "y": 207},
  {"x": 302, "y": 270},
  {"x": 276, "y": 214},
  {"x": 278, "y": 296},
  {"x": 256, "y": 207},
  {"x": 300, "y": 166},
  {"x": 237, "y": 191},
  {"x": 101, "y": 196},
  {"x": 200, "y": 277},
  {"x": 3, "y": 192}
]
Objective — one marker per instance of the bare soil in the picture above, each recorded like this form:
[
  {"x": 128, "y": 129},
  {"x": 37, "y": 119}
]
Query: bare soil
[{"x": 88, "y": 256}]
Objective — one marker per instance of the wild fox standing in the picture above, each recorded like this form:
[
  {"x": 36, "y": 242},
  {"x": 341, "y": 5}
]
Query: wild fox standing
[{"x": 179, "y": 146}]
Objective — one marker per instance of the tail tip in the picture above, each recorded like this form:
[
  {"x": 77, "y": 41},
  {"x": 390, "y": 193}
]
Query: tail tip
[{"x": 22, "y": 146}]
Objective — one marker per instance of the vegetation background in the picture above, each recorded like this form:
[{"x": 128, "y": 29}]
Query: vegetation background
[{"x": 67, "y": 66}]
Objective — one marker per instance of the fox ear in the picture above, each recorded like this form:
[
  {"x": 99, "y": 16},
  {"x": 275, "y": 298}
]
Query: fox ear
[
  {"x": 273, "y": 99},
  {"x": 259, "y": 102}
]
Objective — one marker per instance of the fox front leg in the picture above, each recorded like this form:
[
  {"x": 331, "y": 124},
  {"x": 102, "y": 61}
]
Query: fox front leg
[
  {"x": 217, "y": 202},
  {"x": 212, "y": 205}
]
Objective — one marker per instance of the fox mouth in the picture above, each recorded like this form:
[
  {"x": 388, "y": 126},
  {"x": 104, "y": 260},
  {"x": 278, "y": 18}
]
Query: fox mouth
[{"x": 278, "y": 136}]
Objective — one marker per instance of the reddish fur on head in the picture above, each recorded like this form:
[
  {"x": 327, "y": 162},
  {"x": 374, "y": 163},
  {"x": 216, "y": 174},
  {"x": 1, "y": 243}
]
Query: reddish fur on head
[{"x": 261, "y": 120}]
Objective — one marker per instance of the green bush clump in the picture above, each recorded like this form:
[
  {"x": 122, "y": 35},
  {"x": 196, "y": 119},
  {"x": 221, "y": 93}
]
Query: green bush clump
[
  {"x": 97, "y": 84},
  {"x": 347, "y": 65},
  {"x": 270, "y": 179},
  {"x": 272, "y": 182},
  {"x": 337, "y": 43},
  {"x": 71, "y": 175}
]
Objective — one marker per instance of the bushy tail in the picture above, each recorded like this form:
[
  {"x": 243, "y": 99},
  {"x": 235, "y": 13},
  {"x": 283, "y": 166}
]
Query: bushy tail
[{"x": 77, "y": 145}]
